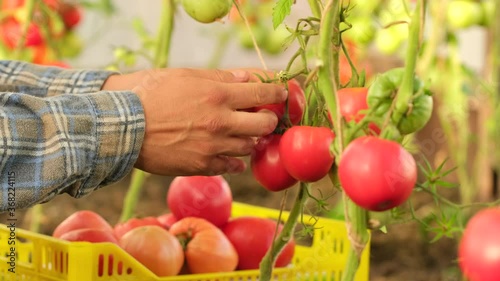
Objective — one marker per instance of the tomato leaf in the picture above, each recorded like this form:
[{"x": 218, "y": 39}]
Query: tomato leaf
[{"x": 280, "y": 11}]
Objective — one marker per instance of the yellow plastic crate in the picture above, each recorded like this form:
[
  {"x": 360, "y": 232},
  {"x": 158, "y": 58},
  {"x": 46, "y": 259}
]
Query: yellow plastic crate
[{"x": 44, "y": 258}]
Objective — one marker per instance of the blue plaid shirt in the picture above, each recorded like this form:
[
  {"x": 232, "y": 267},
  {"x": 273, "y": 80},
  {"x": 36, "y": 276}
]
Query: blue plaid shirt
[{"x": 59, "y": 133}]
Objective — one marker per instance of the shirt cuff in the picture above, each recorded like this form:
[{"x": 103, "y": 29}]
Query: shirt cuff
[{"x": 119, "y": 133}]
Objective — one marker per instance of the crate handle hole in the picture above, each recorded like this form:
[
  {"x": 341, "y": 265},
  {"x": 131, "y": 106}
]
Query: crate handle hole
[
  {"x": 100, "y": 271},
  {"x": 119, "y": 268},
  {"x": 110, "y": 265}
]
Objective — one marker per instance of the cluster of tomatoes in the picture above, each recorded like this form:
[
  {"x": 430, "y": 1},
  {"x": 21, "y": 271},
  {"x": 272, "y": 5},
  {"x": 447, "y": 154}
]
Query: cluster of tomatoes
[
  {"x": 50, "y": 33},
  {"x": 377, "y": 174},
  {"x": 197, "y": 235}
]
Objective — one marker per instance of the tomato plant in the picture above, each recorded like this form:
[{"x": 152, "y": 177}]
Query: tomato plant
[
  {"x": 267, "y": 166},
  {"x": 155, "y": 248},
  {"x": 252, "y": 237},
  {"x": 479, "y": 247},
  {"x": 207, "y": 197},
  {"x": 305, "y": 152},
  {"x": 377, "y": 174},
  {"x": 82, "y": 219},
  {"x": 206, "y": 247},
  {"x": 123, "y": 227}
]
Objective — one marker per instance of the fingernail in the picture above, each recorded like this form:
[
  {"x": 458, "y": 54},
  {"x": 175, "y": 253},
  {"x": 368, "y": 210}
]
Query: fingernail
[
  {"x": 284, "y": 94},
  {"x": 240, "y": 75}
]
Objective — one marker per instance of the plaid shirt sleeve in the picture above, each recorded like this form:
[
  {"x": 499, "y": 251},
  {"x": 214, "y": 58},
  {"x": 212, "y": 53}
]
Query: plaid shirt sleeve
[{"x": 59, "y": 133}]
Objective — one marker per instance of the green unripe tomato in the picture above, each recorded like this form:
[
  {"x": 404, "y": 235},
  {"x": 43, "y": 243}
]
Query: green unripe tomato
[
  {"x": 463, "y": 14},
  {"x": 362, "y": 31},
  {"x": 259, "y": 31},
  {"x": 207, "y": 11},
  {"x": 388, "y": 40},
  {"x": 380, "y": 95},
  {"x": 275, "y": 40}
]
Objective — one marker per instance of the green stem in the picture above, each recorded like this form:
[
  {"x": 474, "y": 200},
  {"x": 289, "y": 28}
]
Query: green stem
[
  {"x": 161, "y": 60},
  {"x": 30, "y": 10},
  {"x": 220, "y": 50},
  {"x": 437, "y": 35},
  {"x": 315, "y": 8},
  {"x": 267, "y": 263},
  {"x": 133, "y": 194},
  {"x": 165, "y": 33},
  {"x": 328, "y": 73},
  {"x": 405, "y": 91},
  {"x": 357, "y": 228},
  {"x": 36, "y": 218}
]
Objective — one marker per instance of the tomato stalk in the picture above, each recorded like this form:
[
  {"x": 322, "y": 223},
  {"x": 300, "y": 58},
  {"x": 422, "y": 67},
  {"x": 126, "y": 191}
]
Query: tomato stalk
[
  {"x": 165, "y": 33},
  {"x": 36, "y": 214},
  {"x": 357, "y": 229},
  {"x": 405, "y": 92},
  {"x": 328, "y": 70},
  {"x": 160, "y": 60},
  {"x": 220, "y": 49},
  {"x": 315, "y": 8},
  {"x": 30, "y": 10},
  {"x": 267, "y": 263}
]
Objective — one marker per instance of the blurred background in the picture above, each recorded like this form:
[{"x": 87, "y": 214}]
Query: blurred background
[{"x": 113, "y": 36}]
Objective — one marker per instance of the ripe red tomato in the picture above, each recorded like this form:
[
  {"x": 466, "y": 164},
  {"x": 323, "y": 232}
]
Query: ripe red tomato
[
  {"x": 479, "y": 247},
  {"x": 207, "y": 249},
  {"x": 296, "y": 104},
  {"x": 71, "y": 15},
  {"x": 167, "y": 220},
  {"x": 305, "y": 152},
  {"x": 266, "y": 164},
  {"x": 252, "y": 237},
  {"x": 82, "y": 219},
  {"x": 11, "y": 32},
  {"x": 121, "y": 228},
  {"x": 155, "y": 248},
  {"x": 352, "y": 101},
  {"x": 93, "y": 235},
  {"x": 377, "y": 174},
  {"x": 207, "y": 197}
]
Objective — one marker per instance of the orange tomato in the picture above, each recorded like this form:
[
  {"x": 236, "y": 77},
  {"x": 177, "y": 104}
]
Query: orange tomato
[
  {"x": 206, "y": 248},
  {"x": 155, "y": 248}
]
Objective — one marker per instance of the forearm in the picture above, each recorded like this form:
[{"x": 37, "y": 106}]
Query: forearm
[
  {"x": 67, "y": 144},
  {"x": 44, "y": 81}
]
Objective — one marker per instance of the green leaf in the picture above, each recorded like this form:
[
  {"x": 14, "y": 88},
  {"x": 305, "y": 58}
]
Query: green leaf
[
  {"x": 280, "y": 11},
  {"x": 446, "y": 184}
]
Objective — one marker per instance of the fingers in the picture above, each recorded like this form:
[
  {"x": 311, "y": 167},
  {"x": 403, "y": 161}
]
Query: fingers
[
  {"x": 236, "y": 146},
  {"x": 237, "y": 75},
  {"x": 248, "y": 95},
  {"x": 224, "y": 164},
  {"x": 253, "y": 124}
]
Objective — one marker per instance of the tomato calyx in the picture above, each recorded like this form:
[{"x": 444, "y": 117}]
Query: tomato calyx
[{"x": 185, "y": 238}]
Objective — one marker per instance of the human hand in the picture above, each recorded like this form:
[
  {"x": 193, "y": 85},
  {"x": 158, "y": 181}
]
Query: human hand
[{"x": 194, "y": 122}]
